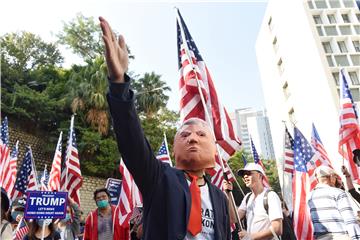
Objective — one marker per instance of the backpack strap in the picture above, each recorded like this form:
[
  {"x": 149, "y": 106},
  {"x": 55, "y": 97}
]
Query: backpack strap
[
  {"x": 3, "y": 228},
  {"x": 266, "y": 200},
  {"x": 247, "y": 197}
]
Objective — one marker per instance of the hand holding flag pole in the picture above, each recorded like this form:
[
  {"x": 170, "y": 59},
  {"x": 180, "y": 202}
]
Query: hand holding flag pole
[{"x": 207, "y": 117}]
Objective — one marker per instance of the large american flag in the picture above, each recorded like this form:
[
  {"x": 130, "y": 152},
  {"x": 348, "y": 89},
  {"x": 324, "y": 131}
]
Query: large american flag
[
  {"x": 288, "y": 152},
  {"x": 10, "y": 173},
  {"x": 55, "y": 172},
  {"x": 303, "y": 153},
  {"x": 163, "y": 153},
  {"x": 4, "y": 153},
  {"x": 25, "y": 177},
  {"x": 192, "y": 68},
  {"x": 130, "y": 196},
  {"x": 71, "y": 179},
  {"x": 21, "y": 230},
  {"x": 349, "y": 137},
  {"x": 257, "y": 160}
]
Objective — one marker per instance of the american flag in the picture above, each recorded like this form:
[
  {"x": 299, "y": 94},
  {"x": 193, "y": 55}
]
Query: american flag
[
  {"x": 319, "y": 147},
  {"x": 288, "y": 152},
  {"x": 25, "y": 178},
  {"x": 303, "y": 153},
  {"x": 10, "y": 173},
  {"x": 244, "y": 159},
  {"x": 4, "y": 154},
  {"x": 257, "y": 160},
  {"x": 349, "y": 134},
  {"x": 44, "y": 180},
  {"x": 21, "y": 230},
  {"x": 55, "y": 172},
  {"x": 192, "y": 68},
  {"x": 129, "y": 196},
  {"x": 163, "y": 153},
  {"x": 71, "y": 179}
]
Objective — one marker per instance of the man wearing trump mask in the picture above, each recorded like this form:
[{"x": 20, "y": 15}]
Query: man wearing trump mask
[{"x": 179, "y": 203}]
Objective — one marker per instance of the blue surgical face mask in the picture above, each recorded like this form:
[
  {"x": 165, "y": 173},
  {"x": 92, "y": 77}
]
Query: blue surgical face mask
[
  {"x": 42, "y": 222},
  {"x": 102, "y": 203},
  {"x": 14, "y": 214}
]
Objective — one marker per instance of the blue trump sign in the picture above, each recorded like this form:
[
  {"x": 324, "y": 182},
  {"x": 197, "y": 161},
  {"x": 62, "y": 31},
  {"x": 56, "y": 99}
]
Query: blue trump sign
[
  {"x": 44, "y": 204},
  {"x": 113, "y": 185}
]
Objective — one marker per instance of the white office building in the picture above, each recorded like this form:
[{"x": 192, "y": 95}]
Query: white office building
[
  {"x": 249, "y": 122},
  {"x": 300, "y": 48}
]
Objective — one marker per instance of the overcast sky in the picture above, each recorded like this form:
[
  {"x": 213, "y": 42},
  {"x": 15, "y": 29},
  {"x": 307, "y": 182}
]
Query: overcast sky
[{"x": 224, "y": 31}]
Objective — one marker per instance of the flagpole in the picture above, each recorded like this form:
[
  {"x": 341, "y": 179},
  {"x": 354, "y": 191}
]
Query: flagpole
[
  {"x": 231, "y": 196},
  {"x": 34, "y": 168},
  {"x": 283, "y": 165},
  {"x": 68, "y": 154}
]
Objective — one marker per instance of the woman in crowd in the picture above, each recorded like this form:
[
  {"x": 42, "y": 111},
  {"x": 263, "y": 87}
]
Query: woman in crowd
[
  {"x": 69, "y": 227},
  {"x": 36, "y": 230},
  {"x": 6, "y": 230}
]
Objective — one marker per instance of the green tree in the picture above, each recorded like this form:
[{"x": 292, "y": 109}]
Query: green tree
[
  {"x": 150, "y": 94},
  {"x": 22, "y": 53}
]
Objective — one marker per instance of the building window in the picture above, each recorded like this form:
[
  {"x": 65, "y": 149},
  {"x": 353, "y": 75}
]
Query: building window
[
  {"x": 286, "y": 90},
  {"x": 334, "y": 4},
  {"x": 270, "y": 24},
  {"x": 317, "y": 19},
  {"x": 320, "y": 31},
  {"x": 355, "y": 60},
  {"x": 355, "y": 94},
  {"x": 292, "y": 116},
  {"x": 341, "y": 60},
  {"x": 280, "y": 66},
  {"x": 345, "y": 18},
  {"x": 354, "y": 78},
  {"x": 320, "y": 4},
  {"x": 330, "y": 61},
  {"x": 356, "y": 46},
  {"x": 311, "y": 6},
  {"x": 342, "y": 47},
  {"x": 345, "y": 30},
  {"x": 348, "y": 4},
  {"x": 331, "y": 18},
  {"x": 336, "y": 78},
  {"x": 357, "y": 29},
  {"x": 275, "y": 44},
  {"x": 331, "y": 31},
  {"x": 327, "y": 47},
  {"x": 358, "y": 16}
]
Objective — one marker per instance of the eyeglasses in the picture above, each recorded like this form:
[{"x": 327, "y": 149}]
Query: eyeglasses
[{"x": 248, "y": 173}]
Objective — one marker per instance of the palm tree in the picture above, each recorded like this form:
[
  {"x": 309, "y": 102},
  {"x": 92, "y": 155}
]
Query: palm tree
[
  {"x": 87, "y": 88},
  {"x": 150, "y": 91}
]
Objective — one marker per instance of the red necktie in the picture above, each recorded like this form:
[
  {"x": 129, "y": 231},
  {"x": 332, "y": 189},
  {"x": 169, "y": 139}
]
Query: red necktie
[{"x": 194, "y": 225}]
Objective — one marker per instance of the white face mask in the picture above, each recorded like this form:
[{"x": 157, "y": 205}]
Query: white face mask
[{"x": 44, "y": 222}]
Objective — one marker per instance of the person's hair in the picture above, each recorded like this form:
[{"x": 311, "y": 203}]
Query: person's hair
[
  {"x": 192, "y": 121},
  {"x": 34, "y": 227},
  {"x": 99, "y": 190}
]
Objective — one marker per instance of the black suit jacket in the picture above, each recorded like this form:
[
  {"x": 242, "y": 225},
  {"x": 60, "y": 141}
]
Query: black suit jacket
[{"x": 165, "y": 191}]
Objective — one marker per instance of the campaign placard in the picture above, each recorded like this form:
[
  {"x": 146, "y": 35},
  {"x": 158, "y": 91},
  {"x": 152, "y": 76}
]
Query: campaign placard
[
  {"x": 113, "y": 185},
  {"x": 44, "y": 205}
]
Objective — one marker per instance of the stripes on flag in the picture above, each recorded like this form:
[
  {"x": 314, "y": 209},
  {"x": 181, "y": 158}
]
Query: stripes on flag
[
  {"x": 130, "y": 196},
  {"x": 55, "y": 172},
  {"x": 257, "y": 160},
  {"x": 303, "y": 153},
  {"x": 288, "y": 152},
  {"x": 5, "y": 166},
  {"x": 191, "y": 69},
  {"x": 9, "y": 170},
  {"x": 349, "y": 134},
  {"x": 21, "y": 230},
  {"x": 163, "y": 153},
  {"x": 71, "y": 179}
]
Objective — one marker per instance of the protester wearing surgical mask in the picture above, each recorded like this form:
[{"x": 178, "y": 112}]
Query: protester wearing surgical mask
[
  {"x": 16, "y": 212},
  {"x": 103, "y": 222},
  {"x": 69, "y": 227},
  {"x": 42, "y": 229}
]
